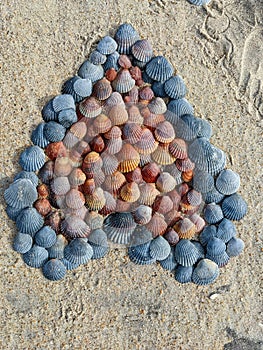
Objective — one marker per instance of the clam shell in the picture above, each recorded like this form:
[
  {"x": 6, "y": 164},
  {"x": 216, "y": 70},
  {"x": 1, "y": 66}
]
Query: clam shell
[
  {"x": 45, "y": 237},
  {"x": 96, "y": 200},
  {"x": 213, "y": 213},
  {"x": 32, "y": 158},
  {"x": 169, "y": 263},
  {"x": 54, "y": 220},
  {"x": 148, "y": 194},
  {"x": 194, "y": 197},
  {"x": 185, "y": 228},
  {"x": 158, "y": 68},
  {"x": 29, "y": 221},
  {"x": 128, "y": 158},
  {"x": 204, "y": 128},
  {"x": 56, "y": 251},
  {"x": 67, "y": 117},
  {"x": 205, "y": 272},
  {"x": 203, "y": 181},
  {"x": 165, "y": 182},
  {"x": 132, "y": 132},
  {"x": 112, "y": 62},
  {"x": 215, "y": 246},
  {"x": 164, "y": 132},
  {"x": 62, "y": 166},
  {"x": 79, "y": 129},
  {"x": 75, "y": 199},
  {"x": 114, "y": 182},
  {"x": 94, "y": 220},
  {"x": 54, "y": 270},
  {"x": 180, "y": 107},
  {"x": 157, "y": 225},
  {"x": 234, "y": 207},
  {"x": 125, "y": 37},
  {"x": 98, "y": 237},
  {"x": 213, "y": 196},
  {"x": 107, "y": 45},
  {"x": 162, "y": 155},
  {"x": 61, "y": 102},
  {"x": 37, "y": 136},
  {"x": 140, "y": 254},
  {"x": 102, "y": 89},
  {"x": 124, "y": 62},
  {"x": 178, "y": 148},
  {"x": 235, "y": 246},
  {"x": 130, "y": 192},
  {"x": 134, "y": 115},
  {"x": 183, "y": 274},
  {"x": 91, "y": 71},
  {"x": 73, "y": 227},
  {"x": 20, "y": 194},
  {"x": 110, "y": 163},
  {"x": 118, "y": 115},
  {"x": 175, "y": 87},
  {"x": 142, "y": 214},
  {"x": 142, "y": 50},
  {"x": 30, "y": 175},
  {"x": 77, "y": 177},
  {"x": 98, "y": 251},
  {"x": 140, "y": 235},
  {"x": 69, "y": 265},
  {"x": 119, "y": 227},
  {"x": 97, "y": 144},
  {"x": 186, "y": 128},
  {"x": 159, "y": 248},
  {"x": 114, "y": 146},
  {"x": 77, "y": 87},
  {"x": 92, "y": 163},
  {"x": 157, "y": 106},
  {"x": 150, "y": 172},
  {"x": 207, "y": 233},
  {"x": 36, "y": 256},
  {"x": 227, "y": 182},
  {"x": 162, "y": 205},
  {"x": 171, "y": 236},
  {"x": 123, "y": 83},
  {"x": 226, "y": 230},
  {"x": 97, "y": 57},
  {"x": 48, "y": 112},
  {"x": 55, "y": 149},
  {"x": 147, "y": 143},
  {"x": 60, "y": 185},
  {"x": 22, "y": 243},
  {"x": 53, "y": 131},
  {"x": 157, "y": 87},
  {"x": 186, "y": 253},
  {"x": 144, "y": 159},
  {"x": 90, "y": 107},
  {"x": 134, "y": 176},
  {"x": 78, "y": 251}
]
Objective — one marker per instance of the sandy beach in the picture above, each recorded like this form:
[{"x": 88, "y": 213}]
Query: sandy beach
[{"x": 112, "y": 303}]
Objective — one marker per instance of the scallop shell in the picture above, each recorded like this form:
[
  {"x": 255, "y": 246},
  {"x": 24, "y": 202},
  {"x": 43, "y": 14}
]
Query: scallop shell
[
  {"x": 114, "y": 182},
  {"x": 110, "y": 204},
  {"x": 175, "y": 172},
  {"x": 169, "y": 263},
  {"x": 96, "y": 200},
  {"x": 76, "y": 177},
  {"x": 91, "y": 71},
  {"x": 54, "y": 132},
  {"x": 194, "y": 197},
  {"x": 140, "y": 254},
  {"x": 142, "y": 214},
  {"x": 124, "y": 62},
  {"x": 215, "y": 246},
  {"x": 123, "y": 83},
  {"x": 199, "y": 2},
  {"x": 226, "y": 230},
  {"x": 98, "y": 237},
  {"x": 165, "y": 182},
  {"x": 22, "y": 243},
  {"x": 204, "y": 128},
  {"x": 119, "y": 227},
  {"x": 235, "y": 246},
  {"x": 107, "y": 45},
  {"x": 132, "y": 132},
  {"x": 56, "y": 149},
  {"x": 157, "y": 225},
  {"x": 77, "y": 87},
  {"x": 147, "y": 143},
  {"x": 118, "y": 115},
  {"x": 148, "y": 194},
  {"x": 159, "y": 248},
  {"x": 70, "y": 140},
  {"x": 54, "y": 270},
  {"x": 157, "y": 87},
  {"x": 234, "y": 207},
  {"x": 37, "y": 136},
  {"x": 32, "y": 158},
  {"x": 227, "y": 182},
  {"x": 142, "y": 50},
  {"x": 140, "y": 235},
  {"x": 29, "y": 221},
  {"x": 180, "y": 107},
  {"x": 157, "y": 106},
  {"x": 36, "y": 256},
  {"x": 90, "y": 107},
  {"x": 125, "y": 37},
  {"x": 175, "y": 87},
  {"x": 205, "y": 272},
  {"x": 185, "y": 228},
  {"x": 75, "y": 199},
  {"x": 20, "y": 194},
  {"x": 101, "y": 124},
  {"x": 112, "y": 62},
  {"x": 45, "y": 237},
  {"x": 162, "y": 155},
  {"x": 56, "y": 251},
  {"x": 171, "y": 236},
  {"x": 175, "y": 197},
  {"x": 92, "y": 163},
  {"x": 162, "y": 205},
  {"x": 150, "y": 172},
  {"x": 144, "y": 159},
  {"x": 207, "y": 233},
  {"x": 60, "y": 185},
  {"x": 102, "y": 89},
  {"x": 134, "y": 176},
  {"x": 97, "y": 57},
  {"x": 73, "y": 226},
  {"x": 213, "y": 196},
  {"x": 78, "y": 251},
  {"x": 94, "y": 220},
  {"x": 178, "y": 148},
  {"x": 130, "y": 192},
  {"x": 159, "y": 69},
  {"x": 198, "y": 221},
  {"x": 69, "y": 265},
  {"x": 183, "y": 274},
  {"x": 134, "y": 115},
  {"x": 213, "y": 213},
  {"x": 203, "y": 181},
  {"x": 128, "y": 158},
  {"x": 48, "y": 112},
  {"x": 152, "y": 121},
  {"x": 61, "y": 102},
  {"x": 62, "y": 166},
  {"x": 186, "y": 253}
]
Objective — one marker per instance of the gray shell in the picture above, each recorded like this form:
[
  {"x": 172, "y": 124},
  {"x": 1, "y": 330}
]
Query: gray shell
[
  {"x": 97, "y": 57},
  {"x": 140, "y": 235},
  {"x": 32, "y": 158},
  {"x": 235, "y": 246},
  {"x": 107, "y": 45},
  {"x": 98, "y": 237},
  {"x": 20, "y": 194},
  {"x": 186, "y": 128},
  {"x": 227, "y": 182},
  {"x": 36, "y": 256},
  {"x": 69, "y": 265},
  {"x": 125, "y": 37},
  {"x": 186, "y": 253},
  {"x": 159, "y": 248},
  {"x": 213, "y": 196},
  {"x": 234, "y": 207},
  {"x": 54, "y": 132},
  {"x": 65, "y": 101},
  {"x": 74, "y": 227},
  {"x": 12, "y": 212},
  {"x": 67, "y": 117},
  {"x": 45, "y": 237},
  {"x": 54, "y": 270},
  {"x": 119, "y": 227},
  {"x": 207, "y": 233},
  {"x": 205, "y": 272},
  {"x": 213, "y": 213},
  {"x": 57, "y": 249},
  {"x": 140, "y": 254},
  {"x": 175, "y": 87},
  {"x": 78, "y": 251},
  {"x": 29, "y": 221},
  {"x": 112, "y": 61},
  {"x": 98, "y": 251},
  {"x": 142, "y": 50},
  {"x": 91, "y": 71},
  {"x": 180, "y": 107},
  {"x": 37, "y": 136},
  {"x": 27, "y": 175},
  {"x": 215, "y": 246},
  {"x": 159, "y": 69},
  {"x": 77, "y": 87},
  {"x": 48, "y": 112},
  {"x": 22, "y": 242},
  {"x": 226, "y": 230},
  {"x": 204, "y": 128},
  {"x": 221, "y": 260},
  {"x": 157, "y": 86},
  {"x": 169, "y": 263},
  {"x": 183, "y": 274}
]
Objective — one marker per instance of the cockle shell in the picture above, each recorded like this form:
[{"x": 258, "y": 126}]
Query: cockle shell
[
  {"x": 142, "y": 214},
  {"x": 157, "y": 225},
  {"x": 150, "y": 172},
  {"x": 22, "y": 243},
  {"x": 119, "y": 227},
  {"x": 147, "y": 143},
  {"x": 123, "y": 83},
  {"x": 36, "y": 256},
  {"x": 96, "y": 200},
  {"x": 73, "y": 227},
  {"x": 43, "y": 206},
  {"x": 32, "y": 158},
  {"x": 159, "y": 69},
  {"x": 165, "y": 182},
  {"x": 178, "y": 148},
  {"x": 45, "y": 237},
  {"x": 125, "y": 37},
  {"x": 29, "y": 221},
  {"x": 148, "y": 193},
  {"x": 118, "y": 115},
  {"x": 175, "y": 87},
  {"x": 162, "y": 155},
  {"x": 114, "y": 182},
  {"x": 110, "y": 163},
  {"x": 185, "y": 228},
  {"x": 54, "y": 270},
  {"x": 132, "y": 132},
  {"x": 101, "y": 124},
  {"x": 62, "y": 166},
  {"x": 20, "y": 194},
  {"x": 78, "y": 251},
  {"x": 128, "y": 158},
  {"x": 134, "y": 176},
  {"x": 142, "y": 50},
  {"x": 56, "y": 149},
  {"x": 102, "y": 89},
  {"x": 90, "y": 107},
  {"x": 164, "y": 132},
  {"x": 162, "y": 204}
]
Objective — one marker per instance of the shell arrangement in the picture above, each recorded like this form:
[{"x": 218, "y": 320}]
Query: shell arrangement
[{"x": 121, "y": 157}]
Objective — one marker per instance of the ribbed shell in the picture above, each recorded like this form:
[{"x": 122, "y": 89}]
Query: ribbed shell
[
  {"x": 27, "y": 175},
  {"x": 114, "y": 182},
  {"x": 61, "y": 102},
  {"x": 123, "y": 83},
  {"x": 45, "y": 237},
  {"x": 112, "y": 62},
  {"x": 110, "y": 204},
  {"x": 169, "y": 263},
  {"x": 213, "y": 213},
  {"x": 199, "y": 2},
  {"x": 185, "y": 228},
  {"x": 132, "y": 132},
  {"x": 101, "y": 124},
  {"x": 69, "y": 265},
  {"x": 91, "y": 71},
  {"x": 226, "y": 230},
  {"x": 32, "y": 158},
  {"x": 205, "y": 272},
  {"x": 207, "y": 233},
  {"x": 77, "y": 87},
  {"x": 148, "y": 194},
  {"x": 78, "y": 251},
  {"x": 165, "y": 182},
  {"x": 221, "y": 260},
  {"x": 125, "y": 37},
  {"x": 213, "y": 196},
  {"x": 74, "y": 199},
  {"x": 98, "y": 237},
  {"x": 37, "y": 136},
  {"x": 29, "y": 221},
  {"x": 54, "y": 270},
  {"x": 187, "y": 127},
  {"x": 98, "y": 251},
  {"x": 73, "y": 227},
  {"x": 157, "y": 225},
  {"x": 162, "y": 204},
  {"x": 48, "y": 112},
  {"x": 186, "y": 253},
  {"x": 96, "y": 200},
  {"x": 227, "y": 182},
  {"x": 157, "y": 86},
  {"x": 175, "y": 87},
  {"x": 234, "y": 207},
  {"x": 102, "y": 89},
  {"x": 21, "y": 194},
  {"x": 215, "y": 246},
  {"x": 159, "y": 248},
  {"x": 183, "y": 274},
  {"x": 164, "y": 132},
  {"x": 142, "y": 50},
  {"x": 204, "y": 128},
  {"x": 97, "y": 58},
  {"x": 57, "y": 249},
  {"x": 159, "y": 69},
  {"x": 140, "y": 254},
  {"x": 90, "y": 107},
  {"x": 107, "y": 45},
  {"x": 128, "y": 158},
  {"x": 235, "y": 246},
  {"x": 12, "y": 213},
  {"x": 130, "y": 192},
  {"x": 140, "y": 235},
  {"x": 60, "y": 185},
  {"x": 22, "y": 243},
  {"x": 54, "y": 132},
  {"x": 36, "y": 256},
  {"x": 119, "y": 227},
  {"x": 147, "y": 143},
  {"x": 203, "y": 181}
]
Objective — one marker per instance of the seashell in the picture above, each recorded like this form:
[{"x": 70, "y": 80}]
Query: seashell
[
  {"x": 107, "y": 45},
  {"x": 176, "y": 173},
  {"x": 70, "y": 140},
  {"x": 99, "y": 178},
  {"x": 171, "y": 236},
  {"x": 213, "y": 196},
  {"x": 136, "y": 74},
  {"x": 78, "y": 251},
  {"x": 187, "y": 175},
  {"x": 130, "y": 192},
  {"x": 185, "y": 228},
  {"x": 22, "y": 242},
  {"x": 204, "y": 128},
  {"x": 132, "y": 132},
  {"x": 110, "y": 163},
  {"x": 114, "y": 182},
  {"x": 194, "y": 197},
  {"x": 180, "y": 107},
  {"x": 81, "y": 212},
  {"x": 75, "y": 158},
  {"x": 199, "y": 2},
  {"x": 215, "y": 247},
  {"x": 164, "y": 132},
  {"x": 122, "y": 206},
  {"x": 32, "y": 158},
  {"x": 162, "y": 155},
  {"x": 207, "y": 233},
  {"x": 62, "y": 166},
  {"x": 90, "y": 107},
  {"x": 97, "y": 57},
  {"x": 221, "y": 260},
  {"x": 227, "y": 182},
  {"x": 213, "y": 213},
  {"x": 45, "y": 237},
  {"x": 123, "y": 83},
  {"x": 79, "y": 129},
  {"x": 142, "y": 50},
  {"x": 186, "y": 128},
  {"x": 69, "y": 265},
  {"x": 91, "y": 71},
  {"x": 162, "y": 205},
  {"x": 54, "y": 220},
  {"x": 55, "y": 150},
  {"x": 113, "y": 146},
  {"x": 36, "y": 256},
  {"x": 175, "y": 87},
  {"x": 144, "y": 159},
  {"x": 234, "y": 207},
  {"x": 186, "y": 207},
  {"x": 203, "y": 181},
  {"x": 119, "y": 227},
  {"x": 157, "y": 106},
  {"x": 114, "y": 134},
  {"x": 101, "y": 124},
  {"x": 76, "y": 177},
  {"x": 102, "y": 89},
  {"x": 73, "y": 227},
  {"x": 57, "y": 249},
  {"x": 140, "y": 254},
  {"x": 165, "y": 182},
  {"x": 60, "y": 185},
  {"x": 48, "y": 112},
  {"x": 198, "y": 221},
  {"x": 30, "y": 175},
  {"x": 82, "y": 148},
  {"x": 67, "y": 117},
  {"x": 158, "y": 88},
  {"x": 140, "y": 235},
  {"x": 183, "y": 274},
  {"x": 98, "y": 237},
  {"x": 54, "y": 270},
  {"x": 150, "y": 172},
  {"x": 153, "y": 120},
  {"x": 75, "y": 199},
  {"x": 175, "y": 197},
  {"x": 37, "y": 136},
  {"x": 172, "y": 118},
  {"x": 118, "y": 115},
  {"x": 110, "y": 204},
  {"x": 142, "y": 214},
  {"x": 148, "y": 194},
  {"x": 134, "y": 115},
  {"x": 186, "y": 253},
  {"x": 128, "y": 158},
  {"x": 125, "y": 37},
  {"x": 110, "y": 74},
  {"x": 183, "y": 189},
  {"x": 200, "y": 248},
  {"x": 29, "y": 221},
  {"x": 53, "y": 131},
  {"x": 12, "y": 212},
  {"x": 124, "y": 62},
  {"x": 158, "y": 68},
  {"x": 92, "y": 163},
  {"x": 146, "y": 93},
  {"x": 96, "y": 200},
  {"x": 61, "y": 102},
  {"x": 20, "y": 194},
  {"x": 226, "y": 230},
  {"x": 169, "y": 263},
  {"x": 178, "y": 148},
  {"x": 235, "y": 246},
  {"x": 205, "y": 272},
  {"x": 94, "y": 220},
  {"x": 147, "y": 143},
  {"x": 98, "y": 251},
  {"x": 112, "y": 62},
  {"x": 43, "y": 206},
  {"x": 134, "y": 176},
  {"x": 157, "y": 225},
  {"x": 159, "y": 248},
  {"x": 206, "y": 156},
  {"x": 77, "y": 87},
  {"x": 173, "y": 216}
]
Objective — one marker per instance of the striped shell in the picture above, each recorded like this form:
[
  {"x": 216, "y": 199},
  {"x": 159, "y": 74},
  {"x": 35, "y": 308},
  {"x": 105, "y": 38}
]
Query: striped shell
[
  {"x": 125, "y": 37},
  {"x": 90, "y": 107},
  {"x": 140, "y": 235},
  {"x": 180, "y": 107},
  {"x": 102, "y": 89},
  {"x": 185, "y": 228},
  {"x": 142, "y": 50},
  {"x": 164, "y": 132},
  {"x": 21, "y": 194},
  {"x": 73, "y": 227},
  {"x": 130, "y": 192},
  {"x": 206, "y": 272},
  {"x": 36, "y": 256},
  {"x": 128, "y": 158},
  {"x": 227, "y": 182},
  {"x": 235, "y": 246},
  {"x": 119, "y": 227},
  {"x": 207, "y": 233},
  {"x": 234, "y": 207},
  {"x": 78, "y": 251},
  {"x": 45, "y": 237},
  {"x": 175, "y": 87},
  {"x": 57, "y": 249},
  {"x": 37, "y": 136},
  {"x": 77, "y": 87},
  {"x": 162, "y": 155},
  {"x": 186, "y": 253},
  {"x": 159, "y": 248},
  {"x": 148, "y": 194},
  {"x": 140, "y": 254},
  {"x": 22, "y": 242},
  {"x": 29, "y": 221},
  {"x": 147, "y": 143},
  {"x": 32, "y": 158},
  {"x": 213, "y": 213},
  {"x": 118, "y": 115},
  {"x": 158, "y": 68},
  {"x": 107, "y": 45},
  {"x": 226, "y": 230},
  {"x": 54, "y": 132},
  {"x": 132, "y": 132},
  {"x": 67, "y": 117},
  {"x": 27, "y": 175},
  {"x": 178, "y": 148},
  {"x": 60, "y": 185},
  {"x": 91, "y": 71},
  {"x": 54, "y": 270},
  {"x": 123, "y": 82},
  {"x": 165, "y": 182},
  {"x": 169, "y": 263},
  {"x": 61, "y": 102},
  {"x": 157, "y": 225},
  {"x": 183, "y": 274},
  {"x": 142, "y": 214},
  {"x": 96, "y": 200}
]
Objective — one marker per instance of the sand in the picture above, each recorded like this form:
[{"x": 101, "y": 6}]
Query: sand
[{"x": 112, "y": 303}]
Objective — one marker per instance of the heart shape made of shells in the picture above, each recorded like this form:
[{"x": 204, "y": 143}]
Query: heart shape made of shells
[{"x": 128, "y": 163}]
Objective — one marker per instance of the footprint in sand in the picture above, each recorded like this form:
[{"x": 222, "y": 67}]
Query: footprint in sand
[{"x": 251, "y": 77}]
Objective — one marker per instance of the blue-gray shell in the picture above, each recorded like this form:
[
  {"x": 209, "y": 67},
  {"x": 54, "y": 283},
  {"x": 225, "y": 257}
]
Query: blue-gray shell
[
  {"x": 22, "y": 242},
  {"x": 97, "y": 57},
  {"x": 183, "y": 274},
  {"x": 159, "y": 248},
  {"x": 54, "y": 270},
  {"x": 77, "y": 87},
  {"x": 48, "y": 112},
  {"x": 36, "y": 256},
  {"x": 227, "y": 182},
  {"x": 207, "y": 233},
  {"x": 78, "y": 251},
  {"x": 57, "y": 249},
  {"x": 37, "y": 136},
  {"x": 54, "y": 132},
  {"x": 213, "y": 213},
  {"x": 186, "y": 253},
  {"x": 64, "y": 101},
  {"x": 234, "y": 207},
  {"x": 140, "y": 254},
  {"x": 235, "y": 246},
  {"x": 119, "y": 227},
  {"x": 27, "y": 175},
  {"x": 32, "y": 158},
  {"x": 175, "y": 87},
  {"x": 29, "y": 221},
  {"x": 205, "y": 272},
  {"x": 125, "y": 37},
  {"x": 45, "y": 237},
  {"x": 67, "y": 117},
  {"x": 226, "y": 230},
  {"x": 91, "y": 71},
  {"x": 107, "y": 45},
  {"x": 159, "y": 69},
  {"x": 180, "y": 107},
  {"x": 169, "y": 263},
  {"x": 20, "y": 194}
]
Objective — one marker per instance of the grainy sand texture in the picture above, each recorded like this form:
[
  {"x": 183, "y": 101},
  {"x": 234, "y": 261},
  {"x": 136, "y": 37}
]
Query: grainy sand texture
[{"x": 112, "y": 303}]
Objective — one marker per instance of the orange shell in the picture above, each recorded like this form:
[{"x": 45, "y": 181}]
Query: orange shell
[
  {"x": 130, "y": 192},
  {"x": 96, "y": 200},
  {"x": 150, "y": 172},
  {"x": 187, "y": 175},
  {"x": 148, "y": 194},
  {"x": 55, "y": 149},
  {"x": 153, "y": 120},
  {"x": 111, "y": 74},
  {"x": 89, "y": 186},
  {"x": 43, "y": 206},
  {"x": 62, "y": 166},
  {"x": 162, "y": 204},
  {"x": 185, "y": 228},
  {"x": 43, "y": 191},
  {"x": 97, "y": 144},
  {"x": 54, "y": 220},
  {"x": 128, "y": 158}
]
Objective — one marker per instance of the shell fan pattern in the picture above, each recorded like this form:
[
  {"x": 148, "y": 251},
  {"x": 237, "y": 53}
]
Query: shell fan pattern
[{"x": 121, "y": 158}]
